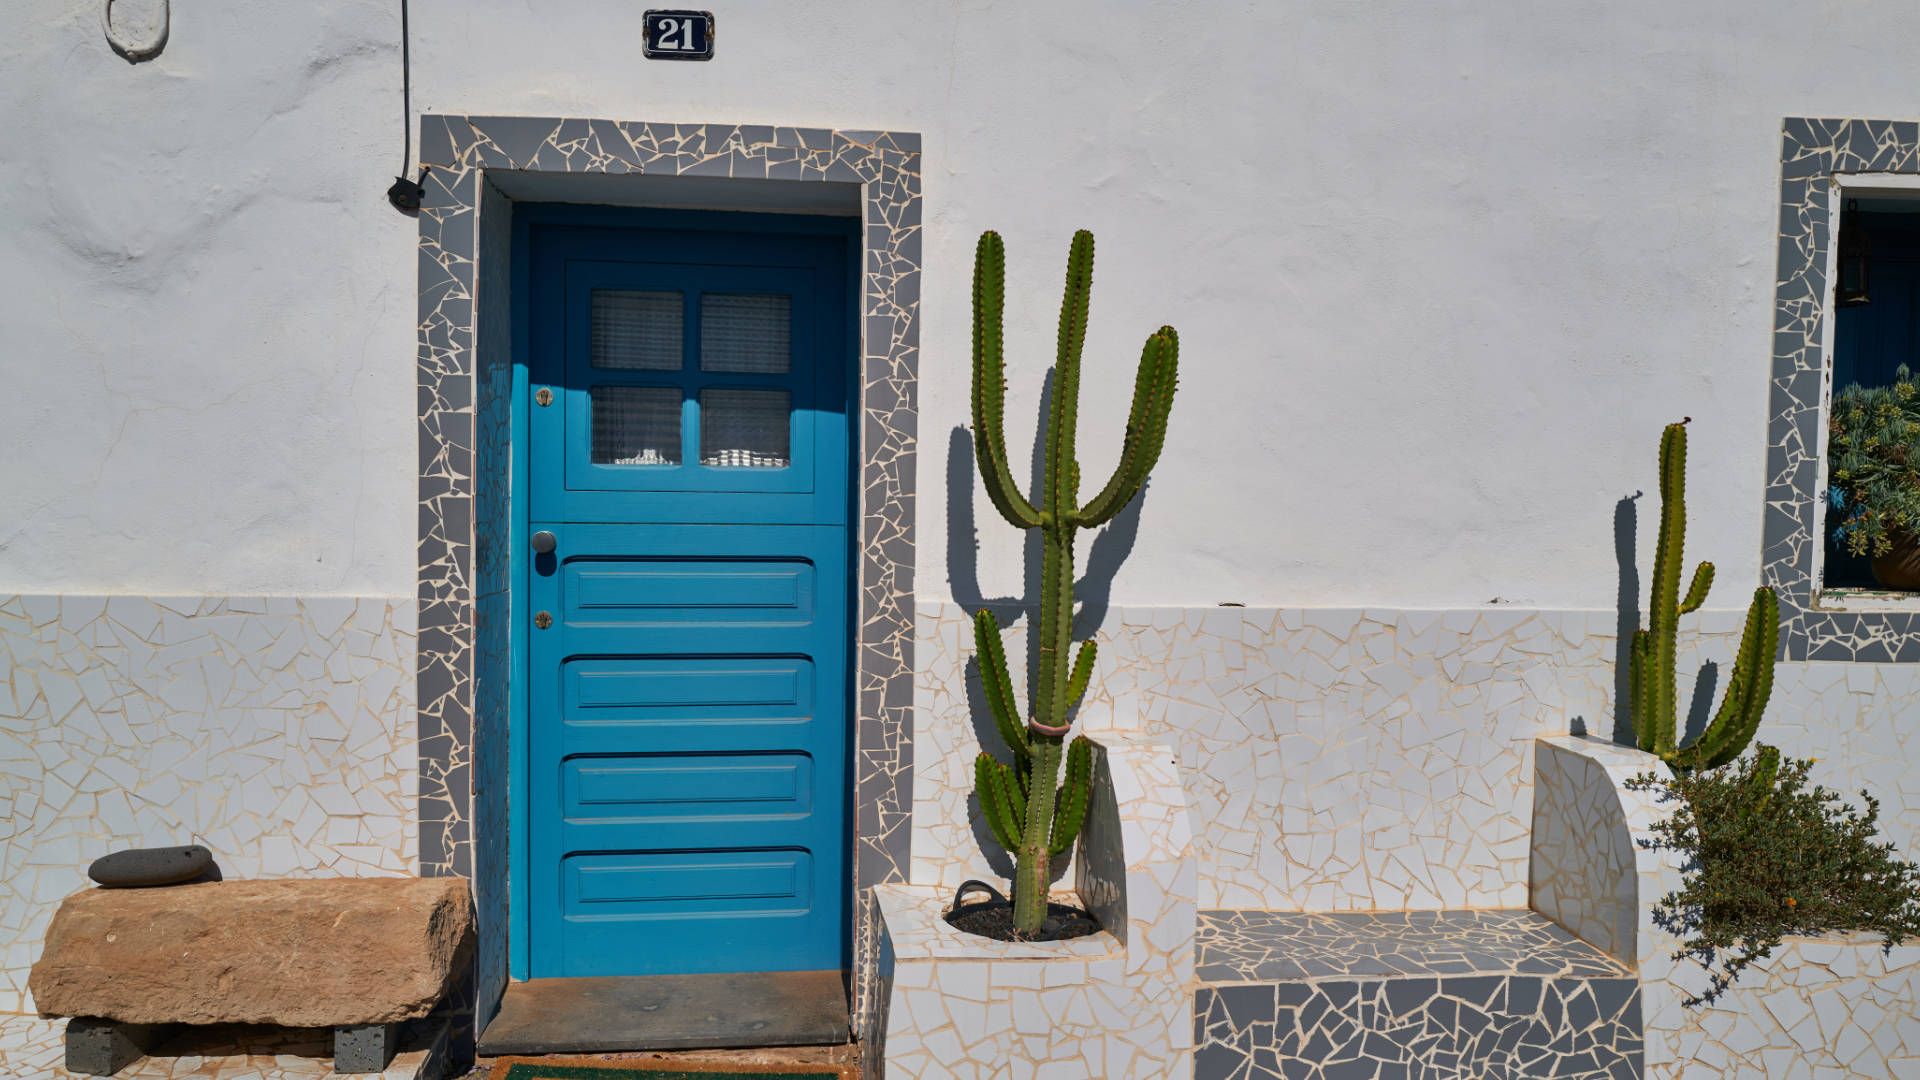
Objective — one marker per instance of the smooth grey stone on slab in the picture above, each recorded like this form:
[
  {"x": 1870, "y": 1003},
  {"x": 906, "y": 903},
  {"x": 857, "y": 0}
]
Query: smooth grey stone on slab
[
  {"x": 364, "y": 1048},
  {"x": 136, "y": 867},
  {"x": 98, "y": 1047}
]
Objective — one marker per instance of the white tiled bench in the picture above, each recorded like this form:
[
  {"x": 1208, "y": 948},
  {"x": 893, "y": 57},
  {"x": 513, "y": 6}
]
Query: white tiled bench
[{"x": 1429, "y": 994}]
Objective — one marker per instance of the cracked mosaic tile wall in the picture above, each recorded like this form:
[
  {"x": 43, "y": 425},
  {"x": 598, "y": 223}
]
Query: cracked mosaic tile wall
[
  {"x": 1377, "y": 758},
  {"x": 1334, "y": 759},
  {"x": 1459, "y": 1027},
  {"x": 278, "y": 732},
  {"x": 460, "y": 149},
  {"x": 1811, "y": 152},
  {"x": 1818, "y": 1007},
  {"x": 1115, "y": 1004},
  {"x": 1584, "y": 868}
]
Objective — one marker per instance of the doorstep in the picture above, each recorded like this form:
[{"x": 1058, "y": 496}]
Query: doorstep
[{"x": 669, "y": 1012}]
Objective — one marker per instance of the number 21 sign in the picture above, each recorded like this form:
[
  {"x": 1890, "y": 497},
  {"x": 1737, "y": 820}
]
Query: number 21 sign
[{"x": 679, "y": 35}]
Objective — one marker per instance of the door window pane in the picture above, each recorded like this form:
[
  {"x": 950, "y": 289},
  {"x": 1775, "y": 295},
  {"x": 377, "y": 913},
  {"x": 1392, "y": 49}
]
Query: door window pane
[
  {"x": 748, "y": 332},
  {"x": 635, "y": 425},
  {"x": 637, "y": 330},
  {"x": 744, "y": 428}
]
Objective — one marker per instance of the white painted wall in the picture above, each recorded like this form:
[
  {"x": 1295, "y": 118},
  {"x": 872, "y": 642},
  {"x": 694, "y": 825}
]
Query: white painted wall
[
  {"x": 1441, "y": 271},
  {"x": 207, "y": 305}
]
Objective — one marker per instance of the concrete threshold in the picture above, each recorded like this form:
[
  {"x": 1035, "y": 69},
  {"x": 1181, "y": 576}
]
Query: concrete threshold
[{"x": 669, "y": 1012}]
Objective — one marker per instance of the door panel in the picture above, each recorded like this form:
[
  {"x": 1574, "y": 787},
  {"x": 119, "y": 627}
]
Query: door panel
[
  {"x": 688, "y": 591},
  {"x": 644, "y": 788},
  {"x": 688, "y": 709}
]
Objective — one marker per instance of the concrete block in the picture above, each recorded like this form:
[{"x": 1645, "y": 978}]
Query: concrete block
[
  {"x": 97, "y": 1047},
  {"x": 364, "y": 1048}
]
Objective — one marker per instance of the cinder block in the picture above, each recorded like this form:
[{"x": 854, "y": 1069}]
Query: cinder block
[
  {"x": 98, "y": 1047},
  {"x": 364, "y": 1048}
]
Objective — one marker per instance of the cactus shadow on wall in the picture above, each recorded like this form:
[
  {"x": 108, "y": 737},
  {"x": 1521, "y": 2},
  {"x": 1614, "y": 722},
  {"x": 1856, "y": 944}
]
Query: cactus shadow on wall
[
  {"x": 1626, "y": 519},
  {"x": 1093, "y": 589},
  {"x": 1700, "y": 709}
]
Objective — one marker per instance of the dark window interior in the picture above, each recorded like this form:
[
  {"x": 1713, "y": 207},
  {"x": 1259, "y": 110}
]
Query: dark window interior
[{"x": 1872, "y": 339}]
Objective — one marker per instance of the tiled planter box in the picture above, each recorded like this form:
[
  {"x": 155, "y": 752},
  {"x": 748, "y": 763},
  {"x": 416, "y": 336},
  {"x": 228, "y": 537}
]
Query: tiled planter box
[
  {"x": 1116, "y": 1004},
  {"x": 1818, "y": 1007}
]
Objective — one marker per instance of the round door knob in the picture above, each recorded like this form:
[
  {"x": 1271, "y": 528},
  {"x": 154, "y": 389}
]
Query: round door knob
[{"x": 544, "y": 542}]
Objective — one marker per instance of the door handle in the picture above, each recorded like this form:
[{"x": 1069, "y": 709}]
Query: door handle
[{"x": 543, "y": 542}]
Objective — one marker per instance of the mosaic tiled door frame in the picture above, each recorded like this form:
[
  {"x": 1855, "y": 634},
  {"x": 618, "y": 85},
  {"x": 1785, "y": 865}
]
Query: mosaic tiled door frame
[
  {"x": 1812, "y": 152},
  {"x": 887, "y": 165}
]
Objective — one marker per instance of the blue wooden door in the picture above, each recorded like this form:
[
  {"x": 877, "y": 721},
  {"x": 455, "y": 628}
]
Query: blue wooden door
[{"x": 688, "y": 635}]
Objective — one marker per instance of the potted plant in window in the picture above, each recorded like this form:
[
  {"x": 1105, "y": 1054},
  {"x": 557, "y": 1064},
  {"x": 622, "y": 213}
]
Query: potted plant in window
[{"x": 1873, "y": 453}]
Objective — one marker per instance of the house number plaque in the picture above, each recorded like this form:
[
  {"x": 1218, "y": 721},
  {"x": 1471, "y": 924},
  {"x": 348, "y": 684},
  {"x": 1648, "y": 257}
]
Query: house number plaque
[{"x": 679, "y": 35}]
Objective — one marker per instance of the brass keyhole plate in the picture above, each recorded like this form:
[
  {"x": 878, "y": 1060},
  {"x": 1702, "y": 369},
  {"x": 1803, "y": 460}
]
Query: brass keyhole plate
[
  {"x": 543, "y": 396},
  {"x": 543, "y": 620}
]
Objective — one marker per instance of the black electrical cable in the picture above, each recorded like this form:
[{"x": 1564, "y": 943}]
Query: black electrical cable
[
  {"x": 405, "y": 194},
  {"x": 406, "y": 93}
]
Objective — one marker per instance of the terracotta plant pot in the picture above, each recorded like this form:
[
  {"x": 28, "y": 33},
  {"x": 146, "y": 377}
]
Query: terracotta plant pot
[{"x": 1899, "y": 568}]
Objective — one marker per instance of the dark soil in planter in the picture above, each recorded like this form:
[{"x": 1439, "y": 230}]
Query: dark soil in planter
[{"x": 994, "y": 919}]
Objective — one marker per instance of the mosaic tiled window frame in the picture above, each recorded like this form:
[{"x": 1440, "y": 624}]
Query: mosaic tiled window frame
[
  {"x": 1812, "y": 152},
  {"x": 887, "y": 165}
]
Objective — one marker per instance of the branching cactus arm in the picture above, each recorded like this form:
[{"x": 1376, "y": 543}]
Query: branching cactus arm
[
  {"x": 998, "y": 686},
  {"x": 1075, "y": 793},
  {"x": 1153, "y": 386},
  {"x": 990, "y": 384},
  {"x": 1748, "y": 688},
  {"x": 1082, "y": 674}
]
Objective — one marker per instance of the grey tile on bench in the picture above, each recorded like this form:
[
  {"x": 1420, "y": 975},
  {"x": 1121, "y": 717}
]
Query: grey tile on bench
[{"x": 1265, "y": 946}]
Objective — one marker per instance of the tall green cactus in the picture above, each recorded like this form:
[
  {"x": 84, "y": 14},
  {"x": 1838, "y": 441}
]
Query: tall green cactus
[
  {"x": 1029, "y": 816},
  {"x": 1650, "y": 666}
]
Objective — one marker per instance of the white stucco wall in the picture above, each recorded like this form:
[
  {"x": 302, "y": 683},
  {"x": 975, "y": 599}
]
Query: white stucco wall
[
  {"x": 207, "y": 305},
  {"x": 1440, "y": 273}
]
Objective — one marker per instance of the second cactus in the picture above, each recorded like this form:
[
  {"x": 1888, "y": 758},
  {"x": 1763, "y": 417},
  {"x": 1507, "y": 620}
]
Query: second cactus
[
  {"x": 1031, "y": 817},
  {"x": 1650, "y": 665}
]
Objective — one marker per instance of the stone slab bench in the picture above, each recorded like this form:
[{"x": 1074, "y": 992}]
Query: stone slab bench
[{"x": 358, "y": 955}]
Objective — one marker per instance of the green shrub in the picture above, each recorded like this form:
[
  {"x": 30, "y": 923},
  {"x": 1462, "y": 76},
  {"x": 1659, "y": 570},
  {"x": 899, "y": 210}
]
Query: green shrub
[
  {"x": 1768, "y": 855},
  {"x": 1873, "y": 452}
]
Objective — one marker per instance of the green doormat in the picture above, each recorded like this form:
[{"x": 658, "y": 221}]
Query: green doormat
[{"x": 525, "y": 1069}]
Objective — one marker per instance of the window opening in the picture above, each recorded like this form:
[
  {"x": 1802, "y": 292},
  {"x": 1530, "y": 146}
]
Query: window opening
[{"x": 1872, "y": 409}]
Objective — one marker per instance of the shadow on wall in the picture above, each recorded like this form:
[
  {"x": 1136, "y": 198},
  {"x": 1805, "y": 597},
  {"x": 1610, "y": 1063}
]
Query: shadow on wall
[
  {"x": 1626, "y": 518},
  {"x": 1093, "y": 590}
]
